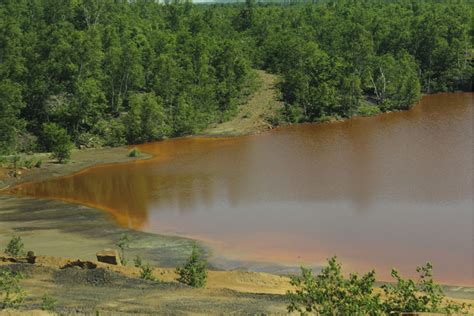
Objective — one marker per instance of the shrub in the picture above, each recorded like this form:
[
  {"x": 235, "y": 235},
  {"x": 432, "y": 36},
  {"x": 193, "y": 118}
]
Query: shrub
[
  {"x": 146, "y": 119},
  {"x": 57, "y": 140},
  {"x": 111, "y": 130},
  {"x": 15, "y": 247},
  {"x": 293, "y": 114},
  {"x": 28, "y": 163},
  {"x": 135, "y": 152},
  {"x": 274, "y": 119},
  {"x": 15, "y": 161},
  {"x": 146, "y": 272},
  {"x": 422, "y": 296},
  {"x": 88, "y": 140},
  {"x": 11, "y": 294},
  {"x": 48, "y": 303},
  {"x": 329, "y": 293},
  {"x": 11, "y": 103},
  {"x": 328, "y": 118},
  {"x": 123, "y": 243},
  {"x": 39, "y": 163},
  {"x": 368, "y": 110},
  {"x": 194, "y": 272},
  {"x": 137, "y": 262},
  {"x": 27, "y": 143}
]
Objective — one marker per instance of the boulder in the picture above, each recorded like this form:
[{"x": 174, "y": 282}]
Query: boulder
[{"x": 109, "y": 256}]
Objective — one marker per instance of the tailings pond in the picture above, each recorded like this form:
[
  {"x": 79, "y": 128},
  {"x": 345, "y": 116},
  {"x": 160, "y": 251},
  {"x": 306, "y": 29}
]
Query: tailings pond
[{"x": 393, "y": 190}]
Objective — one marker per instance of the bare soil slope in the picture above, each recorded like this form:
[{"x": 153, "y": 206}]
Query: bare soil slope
[{"x": 257, "y": 113}]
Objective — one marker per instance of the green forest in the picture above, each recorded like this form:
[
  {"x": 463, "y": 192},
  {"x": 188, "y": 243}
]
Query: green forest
[{"x": 111, "y": 72}]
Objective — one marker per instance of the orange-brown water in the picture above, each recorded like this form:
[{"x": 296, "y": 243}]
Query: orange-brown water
[{"x": 392, "y": 190}]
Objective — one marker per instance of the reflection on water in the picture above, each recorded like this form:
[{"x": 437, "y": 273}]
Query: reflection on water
[{"x": 393, "y": 190}]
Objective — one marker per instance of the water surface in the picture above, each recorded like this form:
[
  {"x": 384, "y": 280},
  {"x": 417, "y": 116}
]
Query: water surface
[{"x": 392, "y": 190}]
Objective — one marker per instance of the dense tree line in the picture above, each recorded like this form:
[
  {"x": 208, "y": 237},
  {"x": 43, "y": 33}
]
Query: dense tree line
[
  {"x": 112, "y": 72},
  {"x": 341, "y": 58}
]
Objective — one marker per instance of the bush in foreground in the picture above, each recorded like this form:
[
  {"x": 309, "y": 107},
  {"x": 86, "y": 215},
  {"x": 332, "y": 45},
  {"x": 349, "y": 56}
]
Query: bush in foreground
[
  {"x": 11, "y": 294},
  {"x": 146, "y": 272},
  {"x": 48, "y": 303},
  {"x": 329, "y": 293},
  {"x": 422, "y": 296},
  {"x": 194, "y": 272}
]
